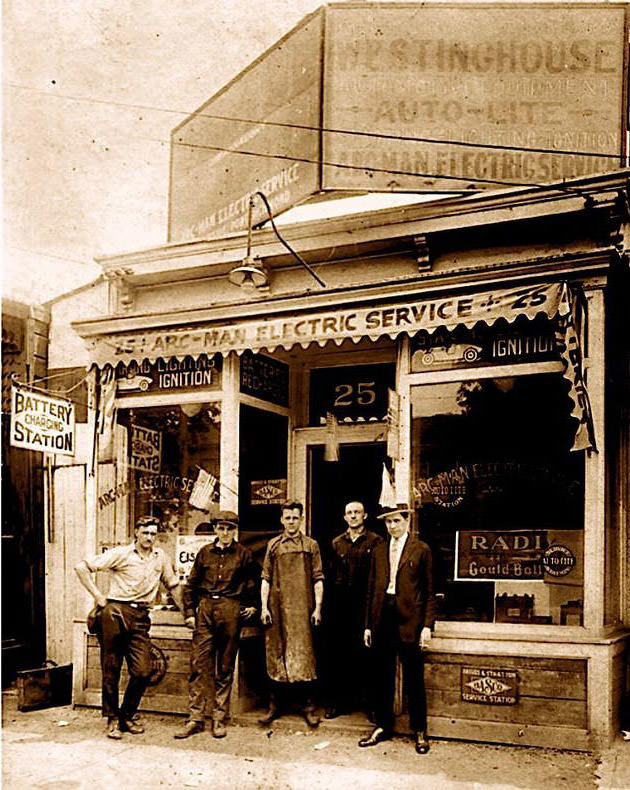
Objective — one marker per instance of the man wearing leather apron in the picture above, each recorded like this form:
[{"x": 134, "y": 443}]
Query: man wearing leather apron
[{"x": 292, "y": 591}]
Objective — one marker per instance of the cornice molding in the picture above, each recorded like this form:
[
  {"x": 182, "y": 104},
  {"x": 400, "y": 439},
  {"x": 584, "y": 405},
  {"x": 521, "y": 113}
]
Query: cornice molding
[
  {"x": 549, "y": 268},
  {"x": 374, "y": 229}
]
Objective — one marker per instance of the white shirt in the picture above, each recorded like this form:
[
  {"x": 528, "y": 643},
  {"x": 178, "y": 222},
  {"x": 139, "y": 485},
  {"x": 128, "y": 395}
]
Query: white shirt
[
  {"x": 134, "y": 577},
  {"x": 395, "y": 552}
]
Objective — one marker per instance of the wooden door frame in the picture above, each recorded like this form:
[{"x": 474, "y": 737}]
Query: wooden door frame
[{"x": 302, "y": 439}]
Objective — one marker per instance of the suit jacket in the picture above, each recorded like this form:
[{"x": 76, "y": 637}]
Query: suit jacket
[{"x": 415, "y": 601}]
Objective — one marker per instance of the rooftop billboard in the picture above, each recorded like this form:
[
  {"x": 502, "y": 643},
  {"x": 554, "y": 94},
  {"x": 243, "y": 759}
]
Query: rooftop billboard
[
  {"x": 408, "y": 97},
  {"x": 259, "y": 133},
  {"x": 457, "y": 96}
]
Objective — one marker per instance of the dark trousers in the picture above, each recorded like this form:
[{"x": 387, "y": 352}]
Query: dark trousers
[
  {"x": 350, "y": 672},
  {"x": 284, "y": 696},
  {"x": 387, "y": 645},
  {"x": 124, "y": 633},
  {"x": 212, "y": 658}
]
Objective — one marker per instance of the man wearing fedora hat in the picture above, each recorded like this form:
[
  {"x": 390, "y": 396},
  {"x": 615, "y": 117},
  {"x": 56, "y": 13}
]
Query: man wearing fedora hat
[
  {"x": 220, "y": 589},
  {"x": 400, "y": 616}
]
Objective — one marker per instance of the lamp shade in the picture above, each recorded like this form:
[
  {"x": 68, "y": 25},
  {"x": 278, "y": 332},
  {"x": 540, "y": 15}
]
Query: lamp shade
[{"x": 249, "y": 275}]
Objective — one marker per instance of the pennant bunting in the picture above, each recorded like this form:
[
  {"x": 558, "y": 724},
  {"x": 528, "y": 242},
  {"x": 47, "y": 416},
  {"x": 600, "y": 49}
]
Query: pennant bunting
[
  {"x": 568, "y": 343},
  {"x": 393, "y": 424},
  {"x": 106, "y": 404}
]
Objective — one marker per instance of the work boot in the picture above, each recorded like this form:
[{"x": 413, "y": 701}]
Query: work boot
[
  {"x": 190, "y": 728},
  {"x": 219, "y": 730},
  {"x": 127, "y": 725},
  {"x": 269, "y": 716},
  {"x": 113, "y": 728},
  {"x": 311, "y": 718}
]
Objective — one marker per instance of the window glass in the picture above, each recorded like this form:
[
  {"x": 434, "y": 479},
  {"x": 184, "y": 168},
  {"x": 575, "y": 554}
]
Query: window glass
[
  {"x": 500, "y": 498},
  {"x": 166, "y": 449},
  {"x": 262, "y": 476}
]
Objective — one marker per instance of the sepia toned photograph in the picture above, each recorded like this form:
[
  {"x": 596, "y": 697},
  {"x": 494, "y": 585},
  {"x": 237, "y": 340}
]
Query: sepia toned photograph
[{"x": 316, "y": 395}]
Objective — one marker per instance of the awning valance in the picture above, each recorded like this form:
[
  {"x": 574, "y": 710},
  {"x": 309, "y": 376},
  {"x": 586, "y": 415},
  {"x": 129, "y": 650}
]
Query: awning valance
[
  {"x": 337, "y": 325},
  {"x": 374, "y": 322}
]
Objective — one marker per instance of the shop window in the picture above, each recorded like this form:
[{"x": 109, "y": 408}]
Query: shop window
[
  {"x": 262, "y": 475},
  {"x": 500, "y": 498},
  {"x": 161, "y": 452}
]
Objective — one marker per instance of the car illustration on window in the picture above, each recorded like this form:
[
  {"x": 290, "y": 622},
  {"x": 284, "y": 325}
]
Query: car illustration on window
[
  {"x": 457, "y": 352},
  {"x": 134, "y": 383}
]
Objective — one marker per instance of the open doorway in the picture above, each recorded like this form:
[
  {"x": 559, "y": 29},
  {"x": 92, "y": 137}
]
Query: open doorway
[{"x": 356, "y": 476}]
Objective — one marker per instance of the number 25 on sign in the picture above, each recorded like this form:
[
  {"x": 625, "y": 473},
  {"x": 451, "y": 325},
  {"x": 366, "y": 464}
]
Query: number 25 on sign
[{"x": 361, "y": 393}]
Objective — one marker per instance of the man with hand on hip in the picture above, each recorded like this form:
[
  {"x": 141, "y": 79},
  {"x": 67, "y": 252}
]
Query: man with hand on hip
[
  {"x": 220, "y": 591},
  {"x": 123, "y": 621},
  {"x": 399, "y": 620}
]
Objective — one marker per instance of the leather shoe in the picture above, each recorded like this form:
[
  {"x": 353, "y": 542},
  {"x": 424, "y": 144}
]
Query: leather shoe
[
  {"x": 422, "y": 744},
  {"x": 126, "y": 725},
  {"x": 331, "y": 713},
  {"x": 219, "y": 730},
  {"x": 113, "y": 729},
  {"x": 269, "y": 716},
  {"x": 378, "y": 735},
  {"x": 311, "y": 718},
  {"x": 190, "y": 728}
]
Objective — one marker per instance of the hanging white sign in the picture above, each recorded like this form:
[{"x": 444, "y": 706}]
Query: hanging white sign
[{"x": 40, "y": 422}]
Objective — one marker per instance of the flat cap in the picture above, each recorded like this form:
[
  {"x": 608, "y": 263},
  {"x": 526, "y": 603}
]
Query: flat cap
[{"x": 226, "y": 517}]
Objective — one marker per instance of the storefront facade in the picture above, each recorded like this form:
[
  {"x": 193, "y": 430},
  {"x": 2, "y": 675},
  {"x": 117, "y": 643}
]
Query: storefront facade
[{"x": 474, "y": 347}]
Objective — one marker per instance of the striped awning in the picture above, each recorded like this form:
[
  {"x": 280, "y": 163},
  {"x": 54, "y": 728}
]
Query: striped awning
[
  {"x": 378, "y": 320},
  {"x": 337, "y": 326}
]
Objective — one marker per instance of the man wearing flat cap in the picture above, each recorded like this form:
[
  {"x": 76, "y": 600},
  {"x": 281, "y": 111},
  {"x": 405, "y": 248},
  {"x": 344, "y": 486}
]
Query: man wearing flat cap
[
  {"x": 220, "y": 591},
  {"x": 400, "y": 616}
]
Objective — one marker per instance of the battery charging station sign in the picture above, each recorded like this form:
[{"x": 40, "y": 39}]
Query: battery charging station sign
[{"x": 42, "y": 423}]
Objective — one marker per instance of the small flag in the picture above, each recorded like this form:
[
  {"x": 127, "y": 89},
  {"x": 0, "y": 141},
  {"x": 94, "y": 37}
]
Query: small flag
[
  {"x": 331, "y": 453},
  {"x": 203, "y": 490},
  {"x": 106, "y": 402},
  {"x": 387, "y": 497}
]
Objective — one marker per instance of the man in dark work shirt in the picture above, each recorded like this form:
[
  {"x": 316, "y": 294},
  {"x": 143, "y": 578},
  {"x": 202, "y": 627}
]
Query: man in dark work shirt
[
  {"x": 221, "y": 587},
  {"x": 350, "y": 565}
]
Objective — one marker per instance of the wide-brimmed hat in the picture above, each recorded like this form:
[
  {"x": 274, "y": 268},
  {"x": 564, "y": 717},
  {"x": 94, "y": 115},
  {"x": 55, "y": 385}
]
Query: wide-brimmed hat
[
  {"x": 389, "y": 510},
  {"x": 226, "y": 517}
]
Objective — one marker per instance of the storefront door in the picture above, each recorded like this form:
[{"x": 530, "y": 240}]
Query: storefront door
[
  {"x": 356, "y": 476},
  {"x": 327, "y": 486}
]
